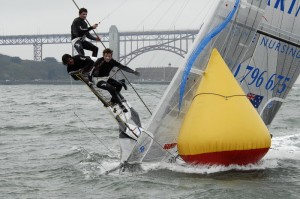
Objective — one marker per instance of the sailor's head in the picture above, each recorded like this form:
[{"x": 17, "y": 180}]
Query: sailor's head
[
  {"x": 67, "y": 59},
  {"x": 107, "y": 54},
  {"x": 83, "y": 13}
]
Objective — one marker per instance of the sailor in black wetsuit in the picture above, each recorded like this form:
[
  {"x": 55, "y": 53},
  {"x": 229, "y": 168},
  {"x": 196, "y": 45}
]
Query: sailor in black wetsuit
[
  {"x": 102, "y": 68},
  {"x": 79, "y": 31},
  {"x": 76, "y": 63}
]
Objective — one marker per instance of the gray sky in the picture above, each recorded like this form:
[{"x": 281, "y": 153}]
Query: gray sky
[
  {"x": 21, "y": 17},
  {"x": 53, "y": 16}
]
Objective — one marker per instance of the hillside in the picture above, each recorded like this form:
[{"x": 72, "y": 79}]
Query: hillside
[{"x": 16, "y": 69}]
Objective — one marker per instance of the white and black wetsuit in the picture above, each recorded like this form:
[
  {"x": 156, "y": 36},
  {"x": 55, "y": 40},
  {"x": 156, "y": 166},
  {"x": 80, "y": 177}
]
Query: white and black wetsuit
[
  {"x": 79, "y": 31},
  {"x": 102, "y": 69}
]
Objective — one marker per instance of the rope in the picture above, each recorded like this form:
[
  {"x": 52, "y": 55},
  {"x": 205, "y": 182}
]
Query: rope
[
  {"x": 95, "y": 135},
  {"x": 172, "y": 155},
  {"x": 137, "y": 93},
  {"x": 94, "y": 158},
  {"x": 114, "y": 10},
  {"x": 224, "y": 96}
]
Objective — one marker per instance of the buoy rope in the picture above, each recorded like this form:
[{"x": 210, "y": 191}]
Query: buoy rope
[{"x": 224, "y": 96}]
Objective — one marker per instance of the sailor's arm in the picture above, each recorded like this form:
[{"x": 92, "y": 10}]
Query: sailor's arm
[
  {"x": 88, "y": 34},
  {"x": 91, "y": 37},
  {"x": 125, "y": 68},
  {"x": 74, "y": 74},
  {"x": 78, "y": 75},
  {"x": 81, "y": 29}
]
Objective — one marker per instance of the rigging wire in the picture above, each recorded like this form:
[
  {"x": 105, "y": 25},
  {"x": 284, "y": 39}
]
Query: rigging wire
[
  {"x": 137, "y": 93},
  {"x": 98, "y": 140},
  {"x": 179, "y": 12},
  {"x": 171, "y": 154},
  {"x": 150, "y": 13},
  {"x": 93, "y": 158},
  {"x": 185, "y": 3},
  {"x": 95, "y": 135},
  {"x": 72, "y": 88},
  {"x": 207, "y": 9},
  {"x": 114, "y": 10},
  {"x": 164, "y": 14}
]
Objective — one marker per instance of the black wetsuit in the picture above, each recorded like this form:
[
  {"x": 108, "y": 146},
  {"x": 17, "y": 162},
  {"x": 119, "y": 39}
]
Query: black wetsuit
[
  {"x": 80, "y": 29},
  {"x": 80, "y": 62},
  {"x": 102, "y": 69}
]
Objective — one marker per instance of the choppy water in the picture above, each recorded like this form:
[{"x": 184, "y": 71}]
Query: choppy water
[{"x": 46, "y": 151}]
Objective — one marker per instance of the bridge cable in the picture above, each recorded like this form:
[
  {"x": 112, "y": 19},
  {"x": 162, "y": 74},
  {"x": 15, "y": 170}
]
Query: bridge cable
[{"x": 121, "y": 71}]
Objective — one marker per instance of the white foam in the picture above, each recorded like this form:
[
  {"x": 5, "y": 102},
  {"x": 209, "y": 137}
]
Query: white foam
[{"x": 284, "y": 147}]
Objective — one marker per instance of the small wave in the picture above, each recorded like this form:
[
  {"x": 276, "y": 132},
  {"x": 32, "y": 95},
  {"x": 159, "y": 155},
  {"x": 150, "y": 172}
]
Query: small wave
[
  {"x": 93, "y": 156},
  {"x": 209, "y": 169},
  {"x": 285, "y": 147},
  {"x": 92, "y": 170},
  {"x": 16, "y": 128}
]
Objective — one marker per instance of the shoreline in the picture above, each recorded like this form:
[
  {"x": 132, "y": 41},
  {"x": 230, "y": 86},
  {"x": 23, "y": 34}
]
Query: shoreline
[{"x": 63, "y": 82}]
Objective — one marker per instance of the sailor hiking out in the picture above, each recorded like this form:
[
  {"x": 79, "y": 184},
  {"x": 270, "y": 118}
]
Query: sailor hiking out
[
  {"x": 100, "y": 69},
  {"x": 79, "y": 31},
  {"x": 96, "y": 76}
]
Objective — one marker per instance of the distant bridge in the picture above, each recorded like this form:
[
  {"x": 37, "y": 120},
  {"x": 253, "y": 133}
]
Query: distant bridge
[{"x": 126, "y": 45}]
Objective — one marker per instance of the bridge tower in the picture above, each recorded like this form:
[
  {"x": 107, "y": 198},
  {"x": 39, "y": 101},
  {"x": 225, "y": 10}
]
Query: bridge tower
[
  {"x": 37, "y": 51},
  {"x": 114, "y": 41}
]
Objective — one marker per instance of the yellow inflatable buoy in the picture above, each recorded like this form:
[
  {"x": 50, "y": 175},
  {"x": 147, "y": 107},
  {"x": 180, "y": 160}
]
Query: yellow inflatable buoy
[{"x": 222, "y": 126}]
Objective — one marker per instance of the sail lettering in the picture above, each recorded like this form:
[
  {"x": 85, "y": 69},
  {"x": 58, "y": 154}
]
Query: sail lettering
[
  {"x": 292, "y": 6},
  {"x": 285, "y": 6},
  {"x": 280, "y": 47},
  {"x": 261, "y": 79},
  {"x": 281, "y": 3}
]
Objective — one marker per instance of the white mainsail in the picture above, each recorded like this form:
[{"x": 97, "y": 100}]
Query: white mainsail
[
  {"x": 230, "y": 28},
  {"x": 259, "y": 41}
]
